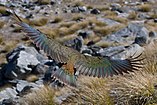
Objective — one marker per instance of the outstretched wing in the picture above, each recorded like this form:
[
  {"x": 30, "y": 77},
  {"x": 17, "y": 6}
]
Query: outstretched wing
[
  {"x": 52, "y": 48},
  {"x": 106, "y": 66}
]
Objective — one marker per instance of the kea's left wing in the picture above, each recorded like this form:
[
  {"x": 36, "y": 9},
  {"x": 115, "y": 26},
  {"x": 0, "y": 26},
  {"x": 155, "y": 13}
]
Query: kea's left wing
[{"x": 106, "y": 66}]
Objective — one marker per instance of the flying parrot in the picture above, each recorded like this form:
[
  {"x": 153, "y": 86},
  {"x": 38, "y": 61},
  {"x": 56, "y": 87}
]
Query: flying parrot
[{"x": 73, "y": 61}]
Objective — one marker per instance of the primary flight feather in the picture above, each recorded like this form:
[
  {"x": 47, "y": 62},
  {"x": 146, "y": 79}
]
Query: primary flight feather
[{"x": 75, "y": 62}]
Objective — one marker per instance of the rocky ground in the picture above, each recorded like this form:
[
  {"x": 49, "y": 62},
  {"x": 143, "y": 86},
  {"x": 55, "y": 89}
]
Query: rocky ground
[{"x": 117, "y": 28}]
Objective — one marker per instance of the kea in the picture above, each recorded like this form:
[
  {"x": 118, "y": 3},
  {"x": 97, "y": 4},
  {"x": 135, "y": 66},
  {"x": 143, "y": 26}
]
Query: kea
[{"x": 76, "y": 63}]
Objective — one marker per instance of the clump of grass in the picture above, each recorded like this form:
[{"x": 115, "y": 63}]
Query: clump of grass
[
  {"x": 90, "y": 91},
  {"x": 50, "y": 32},
  {"x": 145, "y": 8},
  {"x": 39, "y": 22},
  {"x": 97, "y": 22},
  {"x": 32, "y": 78},
  {"x": 77, "y": 26},
  {"x": 43, "y": 96},
  {"x": 2, "y": 24},
  {"x": 103, "y": 31},
  {"x": 118, "y": 19},
  {"x": 1, "y": 40},
  {"x": 103, "y": 44},
  {"x": 137, "y": 89},
  {"x": 77, "y": 17},
  {"x": 110, "y": 13},
  {"x": 132, "y": 15},
  {"x": 9, "y": 45},
  {"x": 66, "y": 24},
  {"x": 44, "y": 2},
  {"x": 3, "y": 11},
  {"x": 78, "y": 3},
  {"x": 57, "y": 19}
]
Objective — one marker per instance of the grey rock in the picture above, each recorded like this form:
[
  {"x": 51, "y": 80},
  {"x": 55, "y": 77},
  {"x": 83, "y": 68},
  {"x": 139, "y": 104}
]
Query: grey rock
[
  {"x": 8, "y": 102},
  {"x": 122, "y": 52},
  {"x": 40, "y": 69},
  {"x": 21, "y": 84},
  {"x": 95, "y": 11},
  {"x": 75, "y": 43},
  {"x": 152, "y": 34},
  {"x": 8, "y": 93},
  {"x": 155, "y": 20},
  {"x": 78, "y": 9},
  {"x": 109, "y": 22},
  {"x": 144, "y": 16},
  {"x": 21, "y": 61},
  {"x": 128, "y": 34},
  {"x": 116, "y": 7}
]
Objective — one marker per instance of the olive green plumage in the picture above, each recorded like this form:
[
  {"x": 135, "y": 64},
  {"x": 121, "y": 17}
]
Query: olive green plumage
[{"x": 76, "y": 62}]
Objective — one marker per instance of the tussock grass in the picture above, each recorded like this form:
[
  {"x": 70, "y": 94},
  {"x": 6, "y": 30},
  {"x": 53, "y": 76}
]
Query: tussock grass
[
  {"x": 32, "y": 78},
  {"x": 39, "y": 22},
  {"x": 57, "y": 19},
  {"x": 2, "y": 23},
  {"x": 145, "y": 8},
  {"x": 50, "y": 32},
  {"x": 92, "y": 91},
  {"x": 9, "y": 45},
  {"x": 138, "y": 89},
  {"x": 44, "y": 2},
  {"x": 132, "y": 15},
  {"x": 104, "y": 44},
  {"x": 43, "y": 96},
  {"x": 66, "y": 24},
  {"x": 107, "y": 30},
  {"x": 97, "y": 22},
  {"x": 118, "y": 19},
  {"x": 3, "y": 11},
  {"x": 77, "y": 17},
  {"x": 110, "y": 13},
  {"x": 1, "y": 40}
]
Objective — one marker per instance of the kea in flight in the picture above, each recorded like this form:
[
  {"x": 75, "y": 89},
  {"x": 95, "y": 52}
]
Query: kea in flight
[{"x": 73, "y": 61}]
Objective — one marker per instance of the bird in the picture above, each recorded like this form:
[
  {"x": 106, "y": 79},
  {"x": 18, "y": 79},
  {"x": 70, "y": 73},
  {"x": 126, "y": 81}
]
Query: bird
[{"x": 76, "y": 63}]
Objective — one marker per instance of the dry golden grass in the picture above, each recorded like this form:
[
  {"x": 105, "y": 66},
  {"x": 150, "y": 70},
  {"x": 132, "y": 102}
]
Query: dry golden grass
[
  {"x": 32, "y": 78},
  {"x": 132, "y": 15},
  {"x": 103, "y": 31},
  {"x": 137, "y": 89},
  {"x": 97, "y": 22},
  {"x": 10, "y": 45},
  {"x": 57, "y": 19},
  {"x": 145, "y": 8},
  {"x": 3, "y": 10},
  {"x": 2, "y": 23},
  {"x": 77, "y": 17},
  {"x": 39, "y": 22},
  {"x": 66, "y": 24},
  {"x": 91, "y": 91},
  {"x": 1, "y": 40},
  {"x": 43, "y": 96},
  {"x": 44, "y": 2},
  {"x": 104, "y": 44},
  {"x": 118, "y": 19},
  {"x": 110, "y": 13}
]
